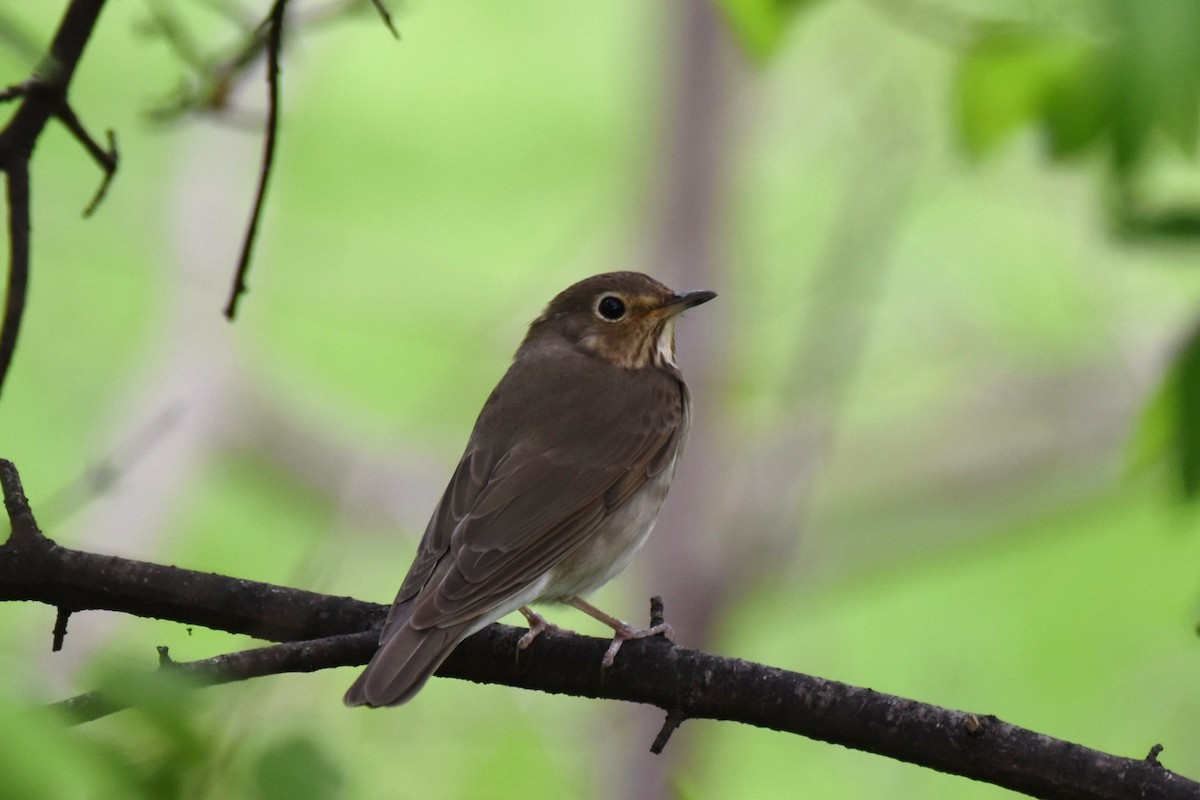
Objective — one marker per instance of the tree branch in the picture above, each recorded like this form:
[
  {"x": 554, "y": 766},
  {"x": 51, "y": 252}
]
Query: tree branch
[
  {"x": 274, "y": 25},
  {"x": 688, "y": 684},
  {"x": 43, "y": 96}
]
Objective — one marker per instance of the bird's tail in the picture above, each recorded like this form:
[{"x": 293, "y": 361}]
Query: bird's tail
[{"x": 402, "y": 664}]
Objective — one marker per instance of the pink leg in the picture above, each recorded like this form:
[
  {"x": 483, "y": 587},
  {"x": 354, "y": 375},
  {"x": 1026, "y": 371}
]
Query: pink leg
[
  {"x": 537, "y": 624},
  {"x": 622, "y": 631}
]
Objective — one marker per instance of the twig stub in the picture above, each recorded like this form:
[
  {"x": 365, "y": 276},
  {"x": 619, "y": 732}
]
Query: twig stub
[
  {"x": 675, "y": 718},
  {"x": 60, "y": 627},
  {"x": 24, "y": 527}
]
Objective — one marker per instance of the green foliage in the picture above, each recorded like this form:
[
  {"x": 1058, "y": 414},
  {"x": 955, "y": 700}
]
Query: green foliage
[
  {"x": 1131, "y": 73},
  {"x": 165, "y": 746},
  {"x": 1008, "y": 79},
  {"x": 760, "y": 25},
  {"x": 1169, "y": 428},
  {"x": 297, "y": 768}
]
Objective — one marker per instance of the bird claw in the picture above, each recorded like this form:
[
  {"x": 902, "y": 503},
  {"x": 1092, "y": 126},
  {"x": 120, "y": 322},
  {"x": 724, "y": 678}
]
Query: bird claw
[
  {"x": 537, "y": 626},
  {"x": 627, "y": 632}
]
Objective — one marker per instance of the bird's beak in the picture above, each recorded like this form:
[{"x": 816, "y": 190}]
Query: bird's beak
[{"x": 682, "y": 301}]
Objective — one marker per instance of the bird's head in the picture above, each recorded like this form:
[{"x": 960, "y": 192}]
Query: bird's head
[{"x": 626, "y": 318}]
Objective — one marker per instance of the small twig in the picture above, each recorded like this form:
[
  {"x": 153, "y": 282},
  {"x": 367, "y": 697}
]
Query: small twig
[
  {"x": 387, "y": 17},
  {"x": 106, "y": 159},
  {"x": 274, "y": 46},
  {"x": 60, "y": 628},
  {"x": 1152, "y": 756},
  {"x": 675, "y": 718},
  {"x": 24, "y": 527},
  {"x": 306, "y": 656},
  {"x": 10, "y": 93},
  {"x": 657, "y": 617},
  {"x": 110, "y": 169},
  {"x": 164, "y": 657},
  {"x": 99, "y": 476}
]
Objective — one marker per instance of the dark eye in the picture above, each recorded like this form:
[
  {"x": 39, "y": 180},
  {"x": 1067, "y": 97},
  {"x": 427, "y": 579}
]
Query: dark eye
[{"x": 611, "y": 308}]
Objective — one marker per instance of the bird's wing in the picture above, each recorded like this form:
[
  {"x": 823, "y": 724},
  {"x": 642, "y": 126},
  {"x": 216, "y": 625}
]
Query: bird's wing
[{"x": 534, "y": 508}]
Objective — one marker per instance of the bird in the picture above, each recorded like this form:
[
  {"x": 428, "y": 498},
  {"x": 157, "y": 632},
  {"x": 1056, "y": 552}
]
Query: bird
[{"x": 560, "y": 484}]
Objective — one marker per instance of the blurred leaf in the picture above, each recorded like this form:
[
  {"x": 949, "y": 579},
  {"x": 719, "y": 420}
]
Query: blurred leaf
[
  {"x": 35, "y": 746},
  {"x": 1156, "y": 74},
  {"x": 759, "y": 25},
  {"x": 297, "y": 769},
  {"x": 1077, "y": 109},
  {"x": 165, "y": 699},
  {"x": 1170, "y": 424},
  {"x": 1154, "y": 432},
  {"x": 1173, "y": 224},
  {"x": 1008, "y": 80},
  {"x": 1187, "y": 415}
]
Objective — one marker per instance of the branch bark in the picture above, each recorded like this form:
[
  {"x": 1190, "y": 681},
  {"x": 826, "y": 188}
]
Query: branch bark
[{"x": 688, "y": 684}]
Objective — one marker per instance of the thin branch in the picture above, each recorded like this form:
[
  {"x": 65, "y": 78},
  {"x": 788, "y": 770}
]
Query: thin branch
[
  {"x": 274, "y": 46},
  {"x": 216, "y": 76},
  {"x": 17, "y": 195},
  {"x": 387, "y": 17},
  {"x": 105, "y": 159},
  {"x": 305, "y": 656},
  {"x": 43, "y": 96}
]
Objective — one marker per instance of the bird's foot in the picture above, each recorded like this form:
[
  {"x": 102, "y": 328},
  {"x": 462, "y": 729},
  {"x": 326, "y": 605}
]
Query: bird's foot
[
  {"x": 537, "y": 625},
  {"x": 627, "y": 632},
  {"x": 622, "y": 631}
]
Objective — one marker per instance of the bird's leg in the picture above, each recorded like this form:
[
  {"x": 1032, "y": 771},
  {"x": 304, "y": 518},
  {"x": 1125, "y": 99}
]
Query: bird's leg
[
  {"x": 537, "y": 624},
  {"x": 622, "y": 631}
]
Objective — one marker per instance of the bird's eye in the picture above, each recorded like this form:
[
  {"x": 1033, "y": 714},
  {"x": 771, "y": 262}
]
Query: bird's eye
[{"x": 610, "y": 308}]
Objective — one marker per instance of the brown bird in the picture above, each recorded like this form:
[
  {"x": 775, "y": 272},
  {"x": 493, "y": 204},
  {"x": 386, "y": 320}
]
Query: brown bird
[{"x": 561, "y": 482}]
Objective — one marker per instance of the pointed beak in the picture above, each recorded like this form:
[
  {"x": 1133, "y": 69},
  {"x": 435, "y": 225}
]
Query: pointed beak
[{"x": 682, "y": 301}]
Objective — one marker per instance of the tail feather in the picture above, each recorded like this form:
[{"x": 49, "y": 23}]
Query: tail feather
[{"x": 403, "y": 663}]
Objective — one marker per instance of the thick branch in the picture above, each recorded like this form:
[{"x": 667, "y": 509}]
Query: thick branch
[
  {"x": 688, "y": 683},
  {"x": 81, "y": 581}
]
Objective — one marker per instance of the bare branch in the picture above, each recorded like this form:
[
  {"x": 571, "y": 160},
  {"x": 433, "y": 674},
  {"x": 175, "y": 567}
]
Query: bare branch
[
  {"x": 274, "y": 46},
  {"x": 17, "y": 185},
  {"x": 44, "y": 96},
  {"x": 387, "y": 17},
  {"x": 688, "y": 684},
  {"x": 303, "y": 656},
  {"x": 106, "y": 159}
]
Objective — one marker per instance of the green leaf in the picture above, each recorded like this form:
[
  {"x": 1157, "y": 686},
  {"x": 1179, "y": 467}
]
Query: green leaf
[
  {"x": 1169, "y": 428},
  {"x": 759, "y": 25},
  {"x": 297, "y": 769},
  {"x": 1153, "y": 435},
  {"x": 1011, "y": 79},
  {"x": 1158, "y": 71},
  {"x": 1077, "y": 108},
  {"x": 1187, "y": 415}
]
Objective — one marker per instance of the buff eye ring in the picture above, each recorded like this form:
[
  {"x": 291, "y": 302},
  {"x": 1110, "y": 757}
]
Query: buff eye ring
[{"x": 610, "y": 308}]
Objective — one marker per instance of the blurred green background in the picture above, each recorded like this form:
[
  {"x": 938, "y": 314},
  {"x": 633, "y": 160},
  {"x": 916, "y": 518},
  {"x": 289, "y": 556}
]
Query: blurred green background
[{"x": 947, "y": 405}]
